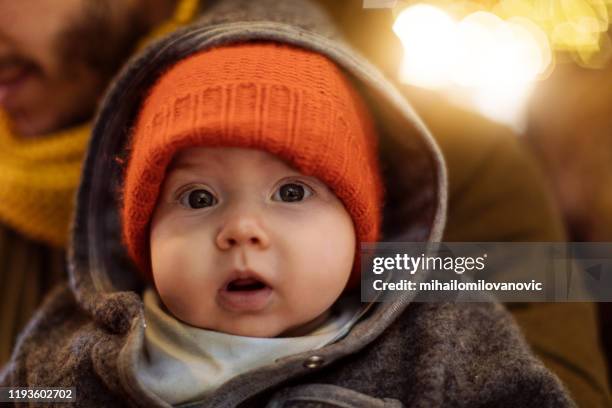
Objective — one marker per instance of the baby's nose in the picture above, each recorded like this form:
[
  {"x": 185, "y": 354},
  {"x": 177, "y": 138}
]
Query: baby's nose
[{"x": 242, "y": 231}]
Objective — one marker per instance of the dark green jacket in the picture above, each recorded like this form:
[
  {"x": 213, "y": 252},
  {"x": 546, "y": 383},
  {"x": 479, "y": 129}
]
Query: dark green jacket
[{"x": 28, "y": 270}]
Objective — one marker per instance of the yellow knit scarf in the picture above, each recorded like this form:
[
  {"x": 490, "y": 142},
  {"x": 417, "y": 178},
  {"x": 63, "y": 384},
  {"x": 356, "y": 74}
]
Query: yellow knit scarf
[{"x": 38, "y": 177}]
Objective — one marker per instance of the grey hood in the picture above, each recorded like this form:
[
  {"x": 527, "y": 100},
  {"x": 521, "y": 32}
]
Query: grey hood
[{"x": 413, "y": 168}]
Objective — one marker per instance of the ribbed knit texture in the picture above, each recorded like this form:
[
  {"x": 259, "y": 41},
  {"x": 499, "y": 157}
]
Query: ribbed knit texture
[{"x": 290, "y": 102}]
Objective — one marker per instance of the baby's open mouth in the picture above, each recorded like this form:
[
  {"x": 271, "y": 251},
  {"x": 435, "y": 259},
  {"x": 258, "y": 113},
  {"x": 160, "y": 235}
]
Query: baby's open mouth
[
  {"x": 245, "y": 294},
  {"x": 245, "y": 284}
]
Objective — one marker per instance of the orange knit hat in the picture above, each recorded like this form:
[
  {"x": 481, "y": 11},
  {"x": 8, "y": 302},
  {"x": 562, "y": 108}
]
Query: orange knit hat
[{"x": 293, "y": 103}]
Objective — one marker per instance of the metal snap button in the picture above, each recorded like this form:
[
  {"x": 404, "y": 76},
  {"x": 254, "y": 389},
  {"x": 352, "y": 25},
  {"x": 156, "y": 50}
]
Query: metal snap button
[{"x": 314, "y": 362}]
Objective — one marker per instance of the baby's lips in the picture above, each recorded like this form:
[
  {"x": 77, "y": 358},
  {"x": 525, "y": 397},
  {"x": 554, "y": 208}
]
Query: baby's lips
[
  {"x": 244, "y": 276},
  {"x": 245, "y": 284},
  {"x": 244, "y": 292}
]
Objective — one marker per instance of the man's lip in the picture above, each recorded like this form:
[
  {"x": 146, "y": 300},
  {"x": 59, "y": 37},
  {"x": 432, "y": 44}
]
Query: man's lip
[{"x": 12, "y": 76}]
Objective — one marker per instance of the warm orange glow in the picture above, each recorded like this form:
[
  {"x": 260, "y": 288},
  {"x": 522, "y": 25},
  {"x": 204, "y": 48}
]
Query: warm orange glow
[{"x": 492, "y": 61}]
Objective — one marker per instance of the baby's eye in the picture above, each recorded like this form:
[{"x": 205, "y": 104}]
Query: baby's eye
[
  {"x": 197, "y": 198},
  {"x": 291, "y": 192}
]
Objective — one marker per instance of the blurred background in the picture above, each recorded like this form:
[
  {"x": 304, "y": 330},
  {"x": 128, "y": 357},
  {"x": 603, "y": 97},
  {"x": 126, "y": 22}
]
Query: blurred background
[
  {"x": 541, "y": 69},
  {"x": 518, "y": 94}
]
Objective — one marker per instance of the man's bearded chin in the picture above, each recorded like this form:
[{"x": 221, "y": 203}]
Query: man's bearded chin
[
  {"x": 102, "y": 37},
  {"x": 90, "y": 51}
]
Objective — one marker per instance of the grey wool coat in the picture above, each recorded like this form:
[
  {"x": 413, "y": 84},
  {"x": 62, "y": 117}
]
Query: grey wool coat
[{"x": 89, "y": 331}]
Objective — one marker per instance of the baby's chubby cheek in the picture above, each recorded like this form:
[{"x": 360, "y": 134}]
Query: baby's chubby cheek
[
  {"x": 180, "y": 272},
  {"x": 319, "y": 266},
  {"x": 181, "y": 297}
]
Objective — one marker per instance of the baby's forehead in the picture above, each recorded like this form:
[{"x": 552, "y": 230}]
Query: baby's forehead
[{"x": 227, "y": 159}]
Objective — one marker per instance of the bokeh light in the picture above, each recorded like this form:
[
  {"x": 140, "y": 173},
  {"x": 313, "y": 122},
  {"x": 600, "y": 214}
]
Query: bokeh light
[
  {"x": 575, "y": 27},
  {"x": 483, "y": 59},
  {"x": 426, "y": 60}
]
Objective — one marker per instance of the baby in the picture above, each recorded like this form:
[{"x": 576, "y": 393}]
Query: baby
[
  {"x": 257, "y": 194},
  {"x": 251, "y": 179}
]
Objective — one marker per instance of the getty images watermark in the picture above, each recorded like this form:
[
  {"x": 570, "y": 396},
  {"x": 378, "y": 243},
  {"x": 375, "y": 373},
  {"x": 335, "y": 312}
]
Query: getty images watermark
[{"x": 510, "y": 272}]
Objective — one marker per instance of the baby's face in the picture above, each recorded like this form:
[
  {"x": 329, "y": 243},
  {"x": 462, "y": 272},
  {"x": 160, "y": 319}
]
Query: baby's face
[{"x": 244, "y": 244}]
